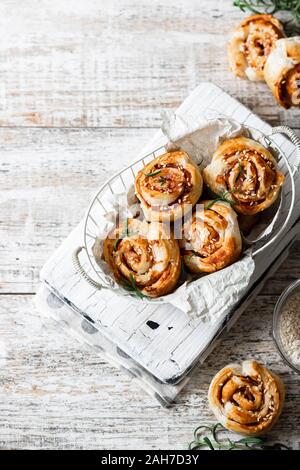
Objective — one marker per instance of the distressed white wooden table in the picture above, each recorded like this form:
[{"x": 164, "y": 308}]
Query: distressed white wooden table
[{"x": 80, "y": 80}]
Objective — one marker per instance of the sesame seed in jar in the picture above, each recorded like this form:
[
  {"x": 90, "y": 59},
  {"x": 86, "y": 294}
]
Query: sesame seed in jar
[{"x": 289, "y": 328}]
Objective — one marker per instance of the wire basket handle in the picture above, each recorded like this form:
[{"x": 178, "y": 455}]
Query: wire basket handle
[
  {"x": 80, "y": 270},
  {"x": 294, "y": 139},
  {"x": 292, "y": 168}
]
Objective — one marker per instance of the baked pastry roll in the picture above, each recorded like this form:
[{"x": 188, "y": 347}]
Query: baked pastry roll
[
  {"x": 282, "y": 72},
  {"x": 245, "y": 173},
  {"x": 168, "y": 186},
  {"x": 251, "y": 43},
  {"x": 143, "y": 257},
  {"x": 211, "y": 239},
  {"x": 246, "y": 398}
]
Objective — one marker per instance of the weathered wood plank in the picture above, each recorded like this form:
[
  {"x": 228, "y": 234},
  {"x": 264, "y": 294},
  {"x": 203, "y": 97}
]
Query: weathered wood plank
[
  {"x": 116, "y": 63},
  {"x": 44, "y": 405},
  {"x": 47, "y": 180}
]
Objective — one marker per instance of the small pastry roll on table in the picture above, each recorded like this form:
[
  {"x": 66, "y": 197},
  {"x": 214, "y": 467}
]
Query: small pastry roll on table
[
  {"x": 211, "y": 239},
  {"x": 246, "y": 173},
  {"x": 251, "y": 43},
  {"x": 246, "y": 398},
  {"x": 144, "y": 256},
  {"x": 168, "y": 186},
  {"x": 282, "y": 72}
]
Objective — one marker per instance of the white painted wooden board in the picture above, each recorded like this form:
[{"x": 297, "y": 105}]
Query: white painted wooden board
[
  {"x": 58, "y": 61},
  {"x": 169, "y": 351}
]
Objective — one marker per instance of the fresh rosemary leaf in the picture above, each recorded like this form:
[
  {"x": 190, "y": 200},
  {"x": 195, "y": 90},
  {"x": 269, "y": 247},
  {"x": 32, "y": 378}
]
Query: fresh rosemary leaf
[
  {"x": 116, "y": 244},
  {"x": 211, "y": 203},
  {"x": 221, "y": 197},
  {"x": 250, "y": 440},
  {"x": 132, "y": 287},
  {"x": 208, "y": 442},
  {"x": 124, "y": 233},
  {"x": 213, "y": 442},
  {"x": 203, "y": 426},
  {"x": 132, "y": 280},
  {"x": 245, "y": 5},
  {"x": 291, "y": 7},
  {"x": 215, "y": 433},
  {"x": 154, "y": 173}
]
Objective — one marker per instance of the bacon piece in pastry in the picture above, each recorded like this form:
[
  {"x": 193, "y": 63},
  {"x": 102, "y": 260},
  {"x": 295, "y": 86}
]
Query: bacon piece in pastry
[
  {"x": 211, "y": 239},
  {"x": 168, "y": 186},
  {"x": 246, "y": 398},
  {"x": 251, "y": 43},
  {"x": 246, "y": 173},
  {"x": 143, "y": 256},
  {"x": 282, "y": 72}
]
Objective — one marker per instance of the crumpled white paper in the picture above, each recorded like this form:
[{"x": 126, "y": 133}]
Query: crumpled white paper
[
  {"x": 211, "y": 296},
  {"x": 199, "y": 139}
]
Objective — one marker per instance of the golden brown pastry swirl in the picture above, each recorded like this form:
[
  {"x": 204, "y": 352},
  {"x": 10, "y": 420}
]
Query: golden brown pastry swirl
[
  {"x": 246, "y": 398},
  {"x": 246, "y": 173},
  {"x": 282, "y": 72},
  {"x": 251, "y": 44},
  {"x": 168, "y": 186},
  {"x": 145, "y": 256},
  {"x": 211, "y": 239}
]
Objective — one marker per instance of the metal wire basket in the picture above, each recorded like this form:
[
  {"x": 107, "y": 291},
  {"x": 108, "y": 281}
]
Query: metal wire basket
[{"x": 123, "y": 180}]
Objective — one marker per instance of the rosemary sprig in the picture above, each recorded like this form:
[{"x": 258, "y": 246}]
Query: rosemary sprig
[
  {"x": 213, "y": 441},
  {"x": 270, "y": 6},
  {"x": 123, "y": 234},
  {"x": 154, "y": 173},
  {"x": 131, "y": 286},
  {"x": 292, "y": 7},
  {"x": 245, "y": 5},
  {"x": 221, "y": 197}
]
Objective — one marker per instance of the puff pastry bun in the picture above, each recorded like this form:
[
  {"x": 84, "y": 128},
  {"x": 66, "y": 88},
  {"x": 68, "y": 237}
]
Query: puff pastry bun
[
  {"x": 168, "y": 186},
  {"x": 247, "y": 173},
  {"x": 251, "y": 43},
  {"x": 211, "y": 239},
  {"x": 246, "y": 398},
  {"x": 144, "y": 255},
  {"x": 282, "y": 72}
]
